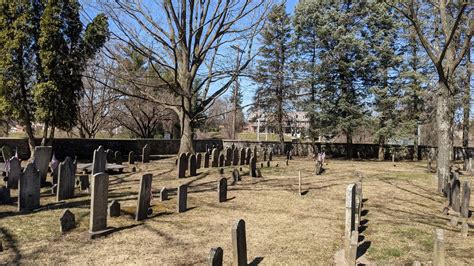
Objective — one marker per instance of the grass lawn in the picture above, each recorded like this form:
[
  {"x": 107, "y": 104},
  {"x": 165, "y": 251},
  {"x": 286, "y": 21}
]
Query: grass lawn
[{"x": 402, "y": 209}]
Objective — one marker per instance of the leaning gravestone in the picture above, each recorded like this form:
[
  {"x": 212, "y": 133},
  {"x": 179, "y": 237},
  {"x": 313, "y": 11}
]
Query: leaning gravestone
[
  {"x": 222, "y": 189},
  {"x": 198, "y": 160},
  {"x": 228, "y": 156},
  {"x": 66, "y": 178},
  {"x": 99, "y": 197},
  {"x": 253, "y": 167},
  {"x": 42, "y": 159},
  {"x": 14, "y": 173},
  {"x": 206, "y": 160},
  {"x": 215, "y": 158},
  {"x": 182, "y": 165},
  {"x": 248, "y": 154},
  {"x": 239, "y": 244},
  {"x": 6, "y": 153},
  {"x": 235, "y": 157},
  {"x": 221, "y": 160},
  {"x": 163, "y": 194},
  {"x": 68, "y": 221},
  {"x": 99, "y": 160},
  {"x": 131, "y": 157},
  {"x": 242, "y": 156},
  {"x": 192, "y": 165},
  {"x": 146, "y": 154},
  {"x": 29, "y": 187},
  {"x": 182, "y": 198},
  {"x": 118, "y": 157},
  {"x": 144, "y": 197},
  {"x": 114, "y": 209}
]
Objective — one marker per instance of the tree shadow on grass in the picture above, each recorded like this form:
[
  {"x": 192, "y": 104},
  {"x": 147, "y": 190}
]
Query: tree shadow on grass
[
  {"x": 362, "y": 248},
  {"x": 11, "y": 243}
]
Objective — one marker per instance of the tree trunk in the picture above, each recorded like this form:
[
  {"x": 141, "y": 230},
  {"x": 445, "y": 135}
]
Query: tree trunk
[
  {"x": 187, "y": 131},
  {"x": 444, "y": 120},
  {"x": 381, "y": 148},
  {"x": 45, "y": 133},
  {"x": 415, "y": 144},
  {"x": 350, "y": 148},
  {"x": 466, "y": 111},
  {"x": 31, "y": 139}
]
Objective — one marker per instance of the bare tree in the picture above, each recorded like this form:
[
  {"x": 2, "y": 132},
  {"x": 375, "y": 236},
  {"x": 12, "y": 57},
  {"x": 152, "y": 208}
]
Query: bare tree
[
  {"x": 182, "y": 42},
  {"x": 446, "y": 57}
]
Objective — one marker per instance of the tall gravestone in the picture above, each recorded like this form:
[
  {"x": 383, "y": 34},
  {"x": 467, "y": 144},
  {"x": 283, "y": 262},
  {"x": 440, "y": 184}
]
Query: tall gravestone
[
  {"x": 182, "y": 165},
  {"x": 215, "y": 158},
  {"x": 235, "y": 156},
  {"x": 255, "y": 154},
  {"x": 42, "y": 159},
  {"x": 270, "y": 155},
  {"x": 163, "y": 194},
  {"x": 14, "y": 173},
  {"x": 253, "y": 167},
  {"x": 239, "y": 244},
  {"x": 228, "y": 156},
  {"x": 242, "y": 156},
  {"x": 455, "y": 195},
  {"x": 264, "y": 155},
  {"x": 118, "y": 157},
  {"x": 99, "y": 198},
  {"x": 66, "y": 180},
  {"x": 248, "y": 155},
  {"x": 144, "y": 197},
  {"x": 182, "y": 198},
  {"x": 206, "y": 160},
  {"x": 192, "y": 165},
  {"x": 465, "y": 199},
  {"x": 198, "y": 160},
  {"x": 222, "y": 189},
  {"x": 221, "y": 160},
  {"x": 99, "y": 160},
  {"x": 29, "y": 187},
  {"x": 131, "y": 157},
  {"x": 146, "y": 154}
]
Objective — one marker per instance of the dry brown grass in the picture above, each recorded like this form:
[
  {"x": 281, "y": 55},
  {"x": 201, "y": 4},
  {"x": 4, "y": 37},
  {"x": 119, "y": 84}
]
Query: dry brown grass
[{"x": 282, "y": 227}]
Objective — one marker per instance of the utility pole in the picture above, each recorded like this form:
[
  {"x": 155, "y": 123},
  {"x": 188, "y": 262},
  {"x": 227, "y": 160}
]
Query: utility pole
[{"x": 236, "y": 89}]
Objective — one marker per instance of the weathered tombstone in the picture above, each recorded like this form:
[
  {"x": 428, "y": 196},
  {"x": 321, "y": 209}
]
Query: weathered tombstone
[
  {"x": 239, "y": 244},
  {"x": 182, "y": 165},
  {"x": 215, "y": 158},
  {"x": 235, "y": 175},
  {"x": 438, "y": 251},
  {"x": 261, "y": 165},
  {"x": 258, "y": 173},
  {"x": 192, "y": 165},
  {"x": 235, "y": 156},
  {"x": 221, "y": 171},
  {"x": 465, "y": 199},
  {"x": 206, "y": 160},
  {"x": 188, "y": 154},
  {"x": 228, "y": 156},
  {"x": 114, "y": 209},
  {"x": 198, "y": 160},
  {"x": 5, "y": 196},
  {"x": 221, "y": 160},
  {"x": 83, "y": 182},
  {"x": 109, "y": 156},
  {"x": 66, "y": 178},
  {"x": 270, "y": 155},
  {"x": 99, "y": 197},
  {"x": 222, "y": 189},
  {"x": 253, "y": 167},
  {"x": 319, "y": 167},
  {"x": 29, "y": 187},
  {"x": 131, "y": 157},
  {"x": 14, "y": 173},
  {"x": 144, "y": 197},
  {"x": 255, "y": 154},
  {"x": 455, "y": 193},
  {"x": 182, "y": 198},
  {"x": 286, "y": 162},
  {"x": 6, "y": 153},
  {"x": 215, "y": 257},
  {"x": 68, "y": 221},
  {"x": 268, "y": 163},
  {"x": 163, "y": 194},
  {"x": 264, "y": 155},
  {"x": 248, "y": 154},
  {"x": 350, "y": 218},
  {"x": 118, "y": 157},
  {"x": 242, "y": 156},
  {"x": 42, "y": 159},
  {"x": 146, "y": 154},
  {"x": 99, "y": 160}
]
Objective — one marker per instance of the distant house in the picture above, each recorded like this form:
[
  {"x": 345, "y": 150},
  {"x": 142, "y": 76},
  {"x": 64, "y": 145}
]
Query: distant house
[{"x": 294, "y": 123}]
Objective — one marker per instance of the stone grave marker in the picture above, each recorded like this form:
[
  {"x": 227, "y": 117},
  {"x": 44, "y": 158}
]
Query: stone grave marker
[
  {"x": 144, "y": 197},
  {"x": 118, "y": 157},
  {"x": 221, "y": 171},
  {"x": 29, "y": 187},
  {"x": 258, "y": 173},
  {"x": 235, "y": 175},
  {"x": 268, "y": 163},
  {"x": 465, "y": 199},
  {"x": 131, "y": 157},
  {"x": 99, "y": 198},
  {"x": 83, "y": 181},
  {"x": 235, "y": 156},
  {"x": 198, "y": 160},
  {"x": 253, "y": 167},
  {"x": 163, "y": 194},
  {"x": 114, "y": 209},
  {"x": 66, "y": 179},
  {"x": 192, "y": 165},
  {"x": 248, "y": 154},
  {"x": 99, "y": 160},
  {"x": 222, "y": 189},
  {"x": 182, "y": 165},
  {"x": 255, "y": 153},
  {"x": 215, "y": 158},
  {"x": 221, "y": 160},
  {"x": 5, "y": 196},
  {"x": 216, "y": 256},
  {"x": 270, "y": 155},
  {"x": 68, "y": 221},
  {"x": 350, "y": 218},
  {"x": 109, "y": 156},
  {"x": 228, "y": 156},
  {"x": 206, "y": 160},
  {"x": 239, "y": 244},
  {"x": 242, "y": 156},
  {"x": 14, "y": 173},
  {"x": 182, "y": 198},
  {"x": 455, "y": 195},
  {"x": 264, "y": 155},
  {"x": 42, "y": 159},
  {"x": 146, "y": 154}
]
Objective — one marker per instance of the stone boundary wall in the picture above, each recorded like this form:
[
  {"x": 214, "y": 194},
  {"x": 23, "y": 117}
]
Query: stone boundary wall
[{"x": 83, "y": 148}]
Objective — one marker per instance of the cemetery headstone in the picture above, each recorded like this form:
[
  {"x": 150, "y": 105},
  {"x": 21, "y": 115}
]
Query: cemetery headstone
[
  {"x": 239, "y": 244},
  {"x": 146, "y": 154},
  {"x": 198, "y": 160},
  {"x": 5, "y": 196},
  {"x": 270, "y": 156},
  {"x": 235, "y": 175},
  {"x": 68, "y": 221},
  {"x": 182, "y": 198},
  {"x": 131, "y": 157},
  {"x": 118, "y": 157},
  {"x": 466, "y": 197},
  {"x": 264, "y": 155},
  {"x": 144, "y": 197},
  {"x": 222, "y": 189},
  {"x": 455, "y": 193},
  {"x": 268, "y": 163},
  {"x": 228, "y": 156},
  {"x": 242, "y": 156},
  {"x": 66, "y": 178},
  {"x": 42, "y": 159},
  {"x": 192, "y": 165},
  {"x": 353, "y": 248},
  {"x": 14, "y": 173},
  {"x": 188, "y": 154},
  {"x": 29, "y": 187},
  {"x": 163, "y": 194},
  {"x": 255, "y": 153},
  {"x": 350, "y": 217},
  {"x": 99, "y": 161},
  {"x": 253, "y": 167},
  {"x": 215, "y": 158},
  {"x": 109, "y": 155},
  {"x": 206, "y": 160},
  {"x": 221, "y": 171},
  {"x": 258, "y": 173},
  {"x": 235, "y": 156},
  {"x": 221, "y": 160},
  {"x": 114, "y": 209},
  {"x": 439, "y": 250},
  {"x": 83, "y": 182},
  {"x": 216, "y": 256},
  {"x": 248, "y": 154},
  {"x": 99, "y": 198},
  {"x": 182, "y": 165}
]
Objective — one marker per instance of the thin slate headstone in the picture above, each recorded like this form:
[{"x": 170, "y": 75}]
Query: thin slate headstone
[
  {"x": 221, "y": 171},
  {"x": 235, "y": 157},
  {"x": 253, "y": 167},
  {"x": 239, "y": 244},
  {"x": 83, "y": 182},
  {"x": 118, "y": 157},
  {"x": 465, "y": 199},
  {"x": 42, "y": 159},
  {"x": 192, "y": 165},
  {"x": 182, "y": 198},
  {"x": 114, "y": 209},
  {"x": 235, "y": 175},
  {"x": 186, "y": 164},
  {"x": 248, "y": 155},
  {"x": 99, "y": 161},
  {"x": 228, "y": 156},
  {"x": 264, "y": 155},
  {"x": 5, "y": 196},
  {"x": 131, "y": 157},
  {"x": 221, "y": 160},
  {"x": 182, "y": 165},
  {"x": 206, "y": 160},
  {"x": 14, "y": 173},
  {"x": 255, "y": 153},
  {"x": 242, "y": 156},
  {"x": 270, "y": 156},
  {"x": 258, "y": 173},
  {"x": 198, "y": 160},
  {"x": 29, "y": 187},
  {"x": 222, "y": 189},
  {"x": 99, "y": 198},
  {"x": 66, "y": 178},
  {"x": 144, "y": 197},
  {"x": 68, "y": 221},
  {"x": 163, "y": 194},
  {"x": 216, "y": 256},
  {"x": 109, "y": 155},
  {"x": 455, "y": 195},
  {"x": 146, "y": 154},
  {"x": 215, "y": 158}
]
